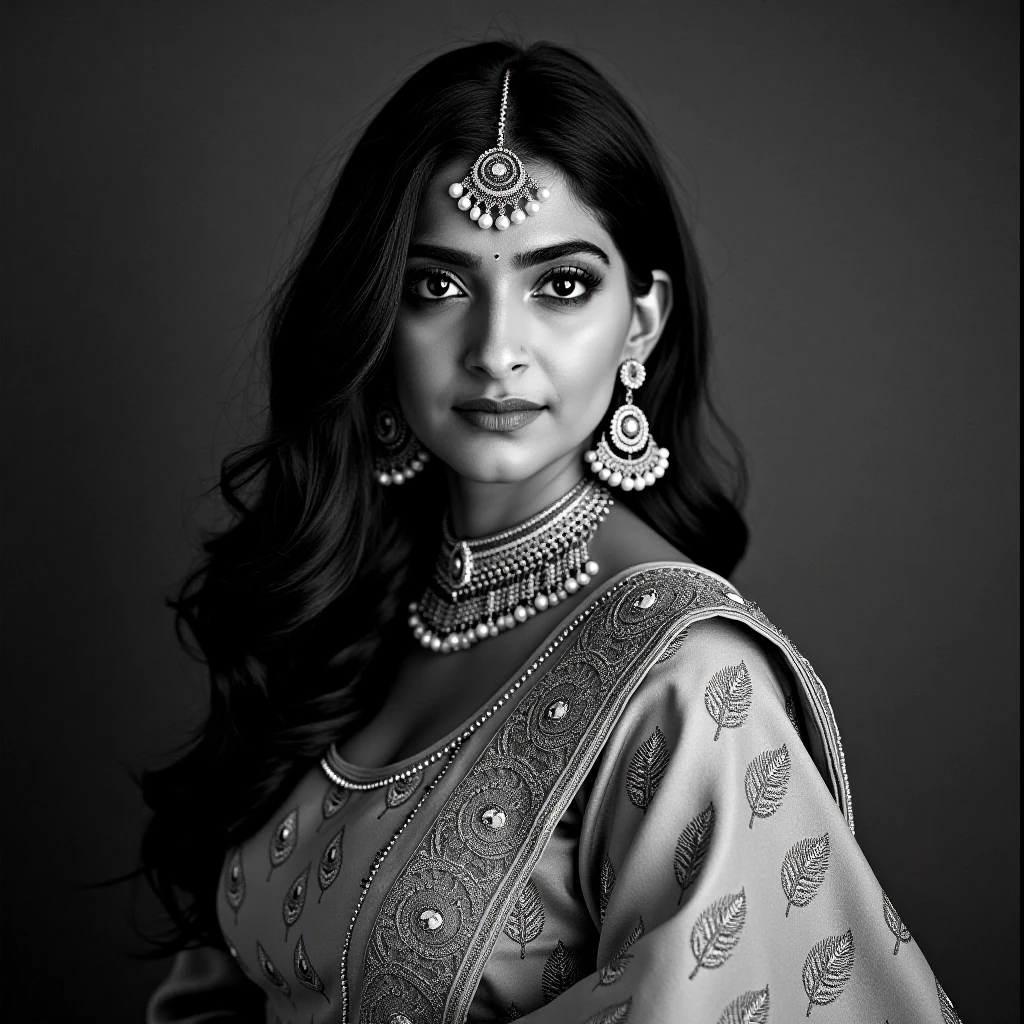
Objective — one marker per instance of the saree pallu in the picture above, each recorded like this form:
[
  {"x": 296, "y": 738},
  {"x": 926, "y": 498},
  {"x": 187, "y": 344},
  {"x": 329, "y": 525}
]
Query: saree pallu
[{"x": 652, "y": 824}]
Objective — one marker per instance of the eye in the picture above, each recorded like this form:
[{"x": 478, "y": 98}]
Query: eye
[
  {"x": 569, "y": 284},
  {"x": 433, "y": 285}
]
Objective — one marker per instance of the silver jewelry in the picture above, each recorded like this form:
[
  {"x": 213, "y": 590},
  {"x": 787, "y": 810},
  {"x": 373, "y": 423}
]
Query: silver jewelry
[
  {"x": 482, "y": 587},
  {"x": 642, "y": 462},
  {"x": 400, "y": 456},
  {"x": 498, "y": 182}
]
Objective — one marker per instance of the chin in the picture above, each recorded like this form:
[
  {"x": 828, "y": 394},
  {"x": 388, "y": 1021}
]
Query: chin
[{"x": 489, "y": 461}]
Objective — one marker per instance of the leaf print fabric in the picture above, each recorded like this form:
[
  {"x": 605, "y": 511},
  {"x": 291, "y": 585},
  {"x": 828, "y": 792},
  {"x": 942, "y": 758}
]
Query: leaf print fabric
[
  {"x": 749, "y": 1008},
  {"x": 896, "y": 926},
  {"x": 647, "y": 769},
  {"x": 526, "y": 921},
  {"x": 728, "y": 697},
  {"x": 803, "y": 871},
  {"x": 562, "y": 970},
  {"x": 692, "y": 847},
  {"x": 717, "y": 931},
  {"x": 765, "y": 782},
  {"x": 827, "y": 969}
]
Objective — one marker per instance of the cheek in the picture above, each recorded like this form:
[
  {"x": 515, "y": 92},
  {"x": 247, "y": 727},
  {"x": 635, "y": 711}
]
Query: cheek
[{"x": 420, "y": 362}]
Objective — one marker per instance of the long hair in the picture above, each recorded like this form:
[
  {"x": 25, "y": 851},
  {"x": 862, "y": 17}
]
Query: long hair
[{"x": 292, "y": 604}]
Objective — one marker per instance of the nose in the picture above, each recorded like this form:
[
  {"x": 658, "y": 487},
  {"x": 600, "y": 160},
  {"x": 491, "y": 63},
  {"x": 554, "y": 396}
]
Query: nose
[{"x": 496, "y": 346}]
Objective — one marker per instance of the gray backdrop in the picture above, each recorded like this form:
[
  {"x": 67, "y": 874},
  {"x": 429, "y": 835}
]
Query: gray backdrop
[{"x": 853, "y": 169}]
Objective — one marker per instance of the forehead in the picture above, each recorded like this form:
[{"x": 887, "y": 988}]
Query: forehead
[{"x": 441, "y": 222}]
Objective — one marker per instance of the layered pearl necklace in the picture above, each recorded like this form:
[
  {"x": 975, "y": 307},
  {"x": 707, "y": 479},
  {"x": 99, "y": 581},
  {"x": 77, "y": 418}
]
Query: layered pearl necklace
[{"x": 484, "y": 586}]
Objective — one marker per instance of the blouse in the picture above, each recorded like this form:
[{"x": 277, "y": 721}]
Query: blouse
[{"x": 651, "y": 823}]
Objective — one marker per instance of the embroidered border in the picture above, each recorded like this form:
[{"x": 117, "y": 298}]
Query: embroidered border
[{"x": 441, "y": 917}]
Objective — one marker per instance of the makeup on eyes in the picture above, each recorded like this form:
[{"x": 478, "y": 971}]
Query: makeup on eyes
[{"x": 565, "y": 277}]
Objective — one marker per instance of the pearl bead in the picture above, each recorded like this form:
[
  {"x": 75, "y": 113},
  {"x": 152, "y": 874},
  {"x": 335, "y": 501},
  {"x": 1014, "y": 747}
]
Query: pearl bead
[
  {"x": 384, "y": 479},
  {"x": 540, "y": 602},
  {"x": 465, "y": 203},
  {"x": 663, "y": 452},
  {"x": 416, "y": 466},
  {"x": 658, "y": 472},
  {"x": 485, "y": 221},
  {"x": 414, "y": 621},
  {"x": 454, "y": 641},
  {"x": 492, "y": 630},
  {"x": 531, "y": 611},
  {"x": 592, "y": 567},
  {"x": 502, "y": 222},
  {"x": 639, "y": 483},
  {"x": 425, "y": 639},
  {"x": 583, "y": 578},
  {"x": 520, "y": 614},
  {"x": 571, "y": 586},
  {"x": 543, "y": 194},
  {"x": 397, "y": 478},
  {"x": 482, "y": 630},
  {"x": 474, "y": 214},
  {"x": 627, "y": 483},
  {"x": 435, "y": 643},
  {"x": 532, "y": 207},
  {"x": 615, "y": 479},
  {"x": 589, "y": 456},
  {"x": 518, "y": 216},
  {"x": 553, "y": 599},
  {"x": 597, "y": 465},
  {"x": 649, "y": 478},
  {"x": 561, "y": 594},
  {"x": 605, "y": 473},
  {"x": 456, "y": 190}
]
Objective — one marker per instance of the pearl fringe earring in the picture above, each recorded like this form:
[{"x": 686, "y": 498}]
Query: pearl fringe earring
[
  {"x": 631, "y": 434},
  {"x": 403, "y": 456}
]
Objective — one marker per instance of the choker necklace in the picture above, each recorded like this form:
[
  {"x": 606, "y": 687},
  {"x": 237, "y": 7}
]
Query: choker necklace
[{"x": 481, "y": 587}]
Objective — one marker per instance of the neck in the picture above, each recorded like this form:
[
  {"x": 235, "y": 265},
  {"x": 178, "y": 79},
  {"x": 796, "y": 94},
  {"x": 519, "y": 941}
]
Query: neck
[{"x": 479, "y": 508}]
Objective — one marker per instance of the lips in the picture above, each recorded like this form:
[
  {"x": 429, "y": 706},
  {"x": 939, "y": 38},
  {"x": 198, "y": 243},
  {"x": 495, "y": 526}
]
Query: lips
[{"x": 499, "y": 414}]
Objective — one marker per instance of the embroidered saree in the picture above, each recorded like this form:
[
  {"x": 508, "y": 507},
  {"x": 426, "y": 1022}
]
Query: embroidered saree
[{"x": 653, "y": 824}]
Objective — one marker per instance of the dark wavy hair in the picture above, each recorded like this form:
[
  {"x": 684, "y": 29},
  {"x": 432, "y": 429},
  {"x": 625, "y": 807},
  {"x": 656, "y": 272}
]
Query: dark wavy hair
[{"x": 293, "y": 603}]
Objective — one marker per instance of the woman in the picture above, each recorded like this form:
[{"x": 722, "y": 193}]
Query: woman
[{"x": 500, "y": 743}]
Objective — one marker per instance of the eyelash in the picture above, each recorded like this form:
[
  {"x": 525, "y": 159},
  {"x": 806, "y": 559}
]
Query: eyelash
[{"x": 581, "y": 274}]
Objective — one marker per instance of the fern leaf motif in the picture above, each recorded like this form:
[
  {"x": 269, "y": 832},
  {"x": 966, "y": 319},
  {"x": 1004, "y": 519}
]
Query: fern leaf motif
[
  {"x": 616, "y": 1014},
  {"x": 616, "y": 967},
  {"x": 334, "y": 799},
  {"x": 283, "y": 839},
  {"x": 717, "y": 931},
  {"x": 692, "y": 848},
  {"x": 647, "y": 769},
  {"x": 526, "y": 921},
  {"x": 765, "y": 782},
  {"x": 294, "y": 900},
  {"x": 305, "y": 971},
  {"x": 749, "y": 1008},
  {"x": 270, "y": 972},
  {"x": 728, "y": 697},
  {"x": 234, "y": 882},
  {"x": 330, "y": 863},
  {"x": 607, "y": 884},
  {"x": 400, "y": 790},
  {"x": 561, "y": 971},
  {"x": 827, "y": 969},
  {"x": 803, "y": 870},
  {"x": 896, "y": 925},
  {"x": 673, "y": 647},
  {"x": 949, "y": 1015}
]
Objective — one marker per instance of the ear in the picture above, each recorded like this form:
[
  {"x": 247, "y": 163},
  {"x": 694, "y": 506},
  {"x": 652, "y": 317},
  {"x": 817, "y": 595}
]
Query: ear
[{"x": 650, "y": 314}]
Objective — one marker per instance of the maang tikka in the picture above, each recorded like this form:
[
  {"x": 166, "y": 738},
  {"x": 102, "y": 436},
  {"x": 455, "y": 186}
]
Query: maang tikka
[
  {"x": 498, "y": 182},
  {"x": 641, "y": 461},
  {"x": 400, "y": 455}
]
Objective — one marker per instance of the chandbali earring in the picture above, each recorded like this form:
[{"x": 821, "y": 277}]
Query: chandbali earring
[
  {"x": 498, "y": 183},
  {"x": 642, "y": 462},
  {"x": 402, "y": 456}
]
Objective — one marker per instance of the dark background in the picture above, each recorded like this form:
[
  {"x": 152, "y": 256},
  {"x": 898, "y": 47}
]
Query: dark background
[{"x": 853, "y": 176}]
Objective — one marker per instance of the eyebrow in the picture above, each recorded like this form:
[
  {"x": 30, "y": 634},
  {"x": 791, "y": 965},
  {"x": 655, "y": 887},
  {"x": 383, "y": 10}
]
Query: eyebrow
[{"x": 520, "y": 261}]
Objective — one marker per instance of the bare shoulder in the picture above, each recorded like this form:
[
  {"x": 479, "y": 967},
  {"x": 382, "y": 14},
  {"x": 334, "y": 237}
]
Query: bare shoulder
[{"x": 625, "y": 540}]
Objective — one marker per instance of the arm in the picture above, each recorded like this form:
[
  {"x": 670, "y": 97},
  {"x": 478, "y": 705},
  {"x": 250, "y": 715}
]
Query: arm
[{"x": 726, "y": 882}]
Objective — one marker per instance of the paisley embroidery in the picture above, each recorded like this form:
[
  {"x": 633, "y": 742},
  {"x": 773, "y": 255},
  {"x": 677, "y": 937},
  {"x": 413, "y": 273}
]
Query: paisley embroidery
[
  {"x": 334, "y": 799},
  {"x": 294, "y": 900},
  {"x": 728, "y": 696},
  {"x": 617, "y": 1014},
  {"x": 463, "y": 865},
  {"x": 647, "y": 769},
  {"x": 330, "y": 863},
  {"x": 692, "y": 848},
  {"x": 270, "y": 972},
  {"x": 827, "y": 969},
  {"x": 766, "y": 781},
  {"x": 561, "y": 971},
  {"x": 305, "y": 971},
  {"x": 526, "y": 921},
  {"x": 607, "y": 883},
  {"x": 283, "y": 840},
  {"x": 717, "y": 931},
  {"x": 242, "y": 966},
  {"x": 896, "y": 926},
  {"x": 400, "y": 790},
  {"x": 803, "y": 871},
  {"x": 749, "y": 1008},
  {"x": 234, "y": 882}
]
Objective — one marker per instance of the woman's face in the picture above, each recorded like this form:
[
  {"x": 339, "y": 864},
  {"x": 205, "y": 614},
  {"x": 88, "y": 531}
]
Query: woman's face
[{"x": 508, "y": 343}]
